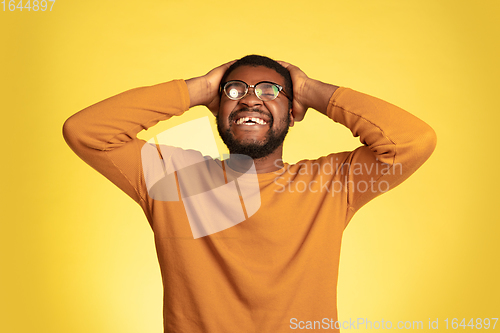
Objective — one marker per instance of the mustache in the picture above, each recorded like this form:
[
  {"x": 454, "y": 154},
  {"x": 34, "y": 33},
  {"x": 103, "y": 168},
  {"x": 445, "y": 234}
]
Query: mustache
[{"x": 234, "y": 114}]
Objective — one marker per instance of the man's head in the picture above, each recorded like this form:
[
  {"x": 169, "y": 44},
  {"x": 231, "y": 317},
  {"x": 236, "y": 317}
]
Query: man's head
[
  {"x": 257, "y": 60},
  {"x": 252, "y": 126}
]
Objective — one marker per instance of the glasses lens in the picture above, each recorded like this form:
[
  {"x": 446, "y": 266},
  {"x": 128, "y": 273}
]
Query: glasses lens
[
  {"x": 235, "y": 90},
  {"x": 266, "y": 91}
]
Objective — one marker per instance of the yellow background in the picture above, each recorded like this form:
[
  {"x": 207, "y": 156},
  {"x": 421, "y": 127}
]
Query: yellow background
[{"x": 77, "y": 255}]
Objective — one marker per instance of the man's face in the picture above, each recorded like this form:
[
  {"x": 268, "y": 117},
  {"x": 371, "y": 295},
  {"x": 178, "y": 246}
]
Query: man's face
[{"x": 240, "y": 133}]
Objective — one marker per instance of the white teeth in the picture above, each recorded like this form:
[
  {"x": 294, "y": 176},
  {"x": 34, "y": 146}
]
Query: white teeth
[{"x": 254, "y": 121}]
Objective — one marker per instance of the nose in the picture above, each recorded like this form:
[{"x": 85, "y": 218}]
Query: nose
[{"x": 250, "y": 98}]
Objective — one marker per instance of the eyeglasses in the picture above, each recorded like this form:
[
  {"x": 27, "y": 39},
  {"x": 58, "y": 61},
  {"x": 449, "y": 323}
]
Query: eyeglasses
[{"x": 265, "y": 91}]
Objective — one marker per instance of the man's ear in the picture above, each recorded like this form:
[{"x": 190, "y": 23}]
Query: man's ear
[{"x": 292, "y": 119}]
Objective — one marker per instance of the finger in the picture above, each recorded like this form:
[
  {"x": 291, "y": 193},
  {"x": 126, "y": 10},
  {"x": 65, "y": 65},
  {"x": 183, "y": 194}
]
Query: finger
[
  {"x": 228, "y": 64},
  {"x": 283, "y": 63}
]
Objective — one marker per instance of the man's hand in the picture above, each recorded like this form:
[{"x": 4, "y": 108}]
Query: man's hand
[
  {"x": 307, "y": 92},
  {"x": 299, "y": 80},
  {"x": 204, "y": 90}
]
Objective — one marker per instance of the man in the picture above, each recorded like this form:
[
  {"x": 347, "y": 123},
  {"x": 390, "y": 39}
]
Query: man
[{"x": 276, "y": 270}]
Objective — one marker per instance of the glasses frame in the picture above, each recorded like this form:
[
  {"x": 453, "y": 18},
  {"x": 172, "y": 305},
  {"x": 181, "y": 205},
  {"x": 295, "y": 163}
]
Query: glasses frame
[{"x": 280, "y": 90}]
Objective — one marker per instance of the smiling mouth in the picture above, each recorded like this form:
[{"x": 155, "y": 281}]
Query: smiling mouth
[{"x": 250, "y": 121}]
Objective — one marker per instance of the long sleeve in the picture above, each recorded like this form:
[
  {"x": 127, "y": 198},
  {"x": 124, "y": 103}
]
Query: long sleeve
[
  {"x": 104, "y": 134},
  {"x": 396, "y": 143}
]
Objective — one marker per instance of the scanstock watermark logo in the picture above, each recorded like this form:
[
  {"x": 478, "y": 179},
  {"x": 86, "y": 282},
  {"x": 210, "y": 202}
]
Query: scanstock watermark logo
[{"x": 182, "y": 163}]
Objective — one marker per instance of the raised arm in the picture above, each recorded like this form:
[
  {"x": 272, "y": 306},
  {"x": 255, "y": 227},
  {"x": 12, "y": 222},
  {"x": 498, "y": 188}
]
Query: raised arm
[
  {"x": 104, "y": 134},
  {"x": 396, "y": 143}
]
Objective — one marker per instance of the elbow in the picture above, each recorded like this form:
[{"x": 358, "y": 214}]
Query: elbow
[
  {"x": 429, "y": 141},
  {"x": 68, "y": 130},
  {"x": 71, "y": 132},
  {"x": 415, "y": 152},
  {"x": 424, "y": 144}
]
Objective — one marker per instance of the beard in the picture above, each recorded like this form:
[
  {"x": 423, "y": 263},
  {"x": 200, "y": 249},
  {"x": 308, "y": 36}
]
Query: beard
[{"x": 254, "y": 148}]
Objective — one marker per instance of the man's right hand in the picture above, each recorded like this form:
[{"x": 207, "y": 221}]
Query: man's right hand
[{"x": 204, "y": 90}]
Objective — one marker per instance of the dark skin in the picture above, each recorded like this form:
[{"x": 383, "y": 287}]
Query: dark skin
[{"x": 308, "y": 93}]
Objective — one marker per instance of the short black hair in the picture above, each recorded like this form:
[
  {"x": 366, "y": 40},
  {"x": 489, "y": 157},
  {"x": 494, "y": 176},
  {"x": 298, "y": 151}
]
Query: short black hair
[{"x": 258, "y": 60}]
